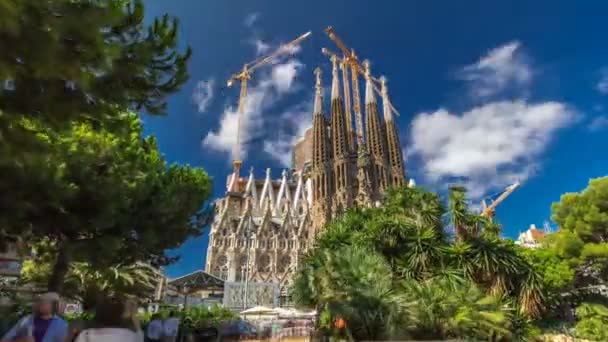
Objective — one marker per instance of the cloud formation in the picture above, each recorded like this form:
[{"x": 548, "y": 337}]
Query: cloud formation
[
  {"x": 297, "y": 120},
  {"x": 260, "y": 47},
  {"x": 489, "y": 146},
  {"x": 503, "y": 67},
  {"x": 203, "y": 94},
  {"x": 598, "y": 123},
  {"x": 251, "y": 19},
  {"x": 270, "y": 88},
  {"x": 602, "y": 84}
]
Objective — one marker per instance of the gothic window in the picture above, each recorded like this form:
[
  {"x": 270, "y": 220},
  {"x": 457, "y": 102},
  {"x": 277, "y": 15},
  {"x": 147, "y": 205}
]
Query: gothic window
[
  {"x": 284, "y": 263},
  {"x": 264, "y": 263},
  {"x": 221, "y": 272},
  {"x": 242, "y": 268},
  {"x": 224, "y": 232},
  {"x": 222, "y": 260},
  {"x": 272, "y": 244},
  {"x": 241, "y": 243},
  {"x": 290, "y": 244},
  {"x": 243, "y": 260},
  {"x": 282, "y": 244},
  {"x": 262, "y": 244}
]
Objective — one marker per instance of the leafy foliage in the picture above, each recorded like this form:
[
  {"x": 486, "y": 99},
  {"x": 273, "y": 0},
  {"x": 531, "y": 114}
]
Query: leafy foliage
[
  {"x": 393, "y": 272},
  {"x": 58, "y": 69},
  {"x": 103, "y": 195},
  {"x": 85, "y": 283},
  {"x": 593, "y": 322}
]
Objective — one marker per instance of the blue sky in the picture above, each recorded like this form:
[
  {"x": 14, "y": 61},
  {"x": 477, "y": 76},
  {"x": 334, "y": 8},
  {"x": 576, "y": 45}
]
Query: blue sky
[{"x": 489, "y": 92}]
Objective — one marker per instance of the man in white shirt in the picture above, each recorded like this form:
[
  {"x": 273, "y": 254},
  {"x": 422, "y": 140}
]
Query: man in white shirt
[
  {"x": 154, "y": 331},
  {"x": 171, "y": 327}
]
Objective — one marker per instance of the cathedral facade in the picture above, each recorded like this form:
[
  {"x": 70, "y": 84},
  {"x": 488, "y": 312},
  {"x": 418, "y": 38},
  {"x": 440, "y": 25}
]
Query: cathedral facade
[{"x": 263, "y": 227}]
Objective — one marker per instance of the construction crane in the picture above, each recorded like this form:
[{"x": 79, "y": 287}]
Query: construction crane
[
  {"x": 351, "y": 60},
  {"x": 244, "y": 76},
  {"x": 488, "y": 211}
]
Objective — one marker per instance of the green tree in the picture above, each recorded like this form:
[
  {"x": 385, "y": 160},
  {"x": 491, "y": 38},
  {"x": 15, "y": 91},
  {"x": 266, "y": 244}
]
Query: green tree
[
  {"x": 408, "y": 234},
  {"x": 56, "y": 67},
  {"x": 582, "y": 241},
  {"x": 103, "y": 195},
  {"x": 354, "y": 284},
  {"x": 85, "y": 283},
  {"x": 585, "y": 213}
]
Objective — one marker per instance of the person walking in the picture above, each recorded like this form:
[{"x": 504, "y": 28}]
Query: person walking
[
  {"x": 43, "y": 325},
  {"x": 171, "y": 327},
  {"x": 154, "y": 330},
  {"x": 114, "y": 321}
]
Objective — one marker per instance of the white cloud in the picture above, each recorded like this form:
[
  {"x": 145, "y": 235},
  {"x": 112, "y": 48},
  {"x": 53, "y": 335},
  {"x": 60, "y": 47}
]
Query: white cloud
[
  {"x": 598, "y": 123},
  {"x": 602, "y": 84},
  {"x": 283, "y": 75},
  {"x": 297, "y": 120},
  {"x": 489, "y": 146},
  {"x": 270, "y": 88},
  {"x": 203, "y": 94},
  {"x": 503, "y": 67},
  {"x": 251, "y": 19},
  {"x": 260, "y": 47}
]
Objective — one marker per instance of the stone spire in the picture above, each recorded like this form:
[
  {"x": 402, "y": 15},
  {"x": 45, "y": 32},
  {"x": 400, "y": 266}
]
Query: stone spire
[
  {"x": 395, "y": 157},
  {"x": 318, "y": 104},
  {"x": 335, "y": 86},
  {"x": 375, "y": 135},
  {"x": 342, "y": 172},
  {"x": 321, "y": 164}
]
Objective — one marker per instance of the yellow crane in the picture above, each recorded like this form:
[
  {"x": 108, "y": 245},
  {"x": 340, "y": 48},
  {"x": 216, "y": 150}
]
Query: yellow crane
[
  {"x": 350, "y": 60},
  {"x": 489, "y": 211},
  {"x": 244, "y": 76}
]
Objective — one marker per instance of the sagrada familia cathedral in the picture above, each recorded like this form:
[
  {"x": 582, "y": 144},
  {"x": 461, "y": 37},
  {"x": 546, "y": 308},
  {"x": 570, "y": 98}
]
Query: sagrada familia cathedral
[{"x": 263, "y": 227}]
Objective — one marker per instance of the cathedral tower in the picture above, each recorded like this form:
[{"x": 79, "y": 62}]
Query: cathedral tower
[
  {"x": 376, "y": 141},
  {"x": 395, "y": 157},
  {"x": 321, "y": 162},
  {"x": 342, "y": 170}
]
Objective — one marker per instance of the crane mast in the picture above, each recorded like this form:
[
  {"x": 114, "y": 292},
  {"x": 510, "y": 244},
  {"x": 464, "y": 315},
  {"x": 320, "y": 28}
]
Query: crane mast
[
  {"x": 357, "y": 102},
  {"x": 347, "y": 108},
  {"x": 244, "y": 76},
  {"x": 488, "y": 211}
]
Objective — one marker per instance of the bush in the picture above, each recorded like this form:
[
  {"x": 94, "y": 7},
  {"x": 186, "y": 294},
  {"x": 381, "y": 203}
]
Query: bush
[{"x": 593, "y": 322}]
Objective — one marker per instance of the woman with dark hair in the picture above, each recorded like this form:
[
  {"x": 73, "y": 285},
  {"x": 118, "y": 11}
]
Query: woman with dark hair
[{"x": 115, "y": 320}]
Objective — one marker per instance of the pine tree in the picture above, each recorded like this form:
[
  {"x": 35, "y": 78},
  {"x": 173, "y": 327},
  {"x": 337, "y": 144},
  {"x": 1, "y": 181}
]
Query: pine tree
[{"x": 66, "y": 59}]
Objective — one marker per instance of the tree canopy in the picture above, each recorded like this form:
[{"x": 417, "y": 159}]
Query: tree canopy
[
  {"x": 395, "y": 272},
  {"x": 55, "y": 67},
  {"x": 102, "y": 194}
]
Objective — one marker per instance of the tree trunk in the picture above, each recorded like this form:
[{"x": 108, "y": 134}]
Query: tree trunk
[{"x": 60, "y": 268}]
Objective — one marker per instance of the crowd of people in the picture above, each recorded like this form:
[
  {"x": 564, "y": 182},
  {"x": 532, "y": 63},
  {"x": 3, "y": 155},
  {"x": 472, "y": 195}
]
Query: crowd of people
[{"x": 115, "y": 320}]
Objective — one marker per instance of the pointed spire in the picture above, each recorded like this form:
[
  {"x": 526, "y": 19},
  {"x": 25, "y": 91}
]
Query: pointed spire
[
  {"x": 318, "y": 108},
  {"x": 335, "y": 88},
  {"x": 369, "y": 87},
  {"x": 386, "y": 105}
]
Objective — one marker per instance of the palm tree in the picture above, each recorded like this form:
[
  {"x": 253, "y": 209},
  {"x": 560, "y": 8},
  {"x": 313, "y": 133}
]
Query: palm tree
[
  {"x": 354, "y": 284},
  {"x": 422, "y": 281},
  {"x": 490, "y": 261},
  {"x": 445, "y": 307},
  {"x": 86, "y": 282}
]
